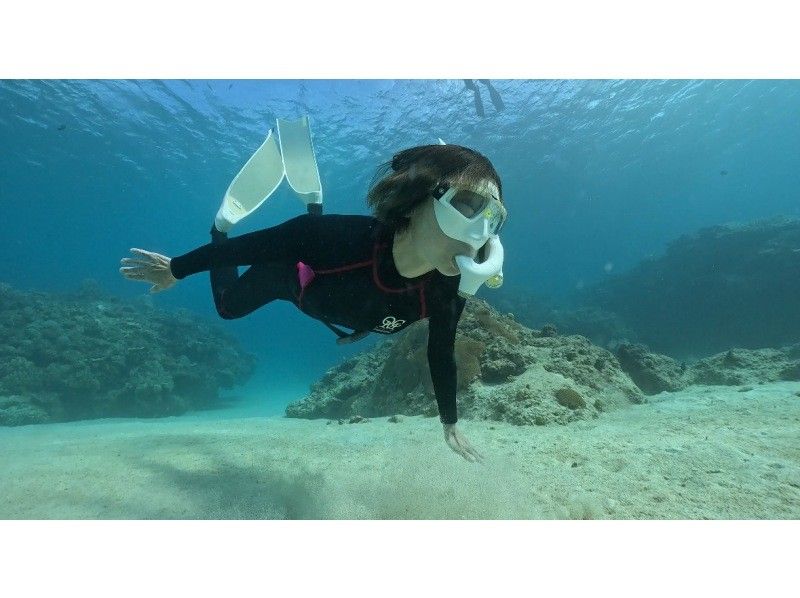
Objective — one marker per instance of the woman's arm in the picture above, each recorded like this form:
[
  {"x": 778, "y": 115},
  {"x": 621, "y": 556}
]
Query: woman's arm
[
  {"x": 441, "y": 360},
  {"x": 441, "y": 356},
  {"x": 277, "y": 243}
]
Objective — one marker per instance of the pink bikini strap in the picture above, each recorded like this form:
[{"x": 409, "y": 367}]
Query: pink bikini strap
[{"x": 304, "y": 274}]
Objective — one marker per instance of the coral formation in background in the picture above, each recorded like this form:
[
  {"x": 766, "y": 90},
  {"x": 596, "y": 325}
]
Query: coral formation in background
[
  {"x": 735, "y": 285},
  {"x": 88, "y": 355}
]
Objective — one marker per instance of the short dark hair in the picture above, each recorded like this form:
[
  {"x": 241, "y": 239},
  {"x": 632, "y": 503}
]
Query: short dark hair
[{"x": 410, "y": 177}]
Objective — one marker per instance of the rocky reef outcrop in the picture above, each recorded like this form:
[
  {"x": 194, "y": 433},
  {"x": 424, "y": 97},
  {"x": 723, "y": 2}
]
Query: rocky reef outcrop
[
  {"x": 506, "y": 372},
  {"x": 748, "y": 366},
  {"x": 88, "y": 355},
  {"x": 654, "y": 373},
  {"x": 651, "y": 372}
]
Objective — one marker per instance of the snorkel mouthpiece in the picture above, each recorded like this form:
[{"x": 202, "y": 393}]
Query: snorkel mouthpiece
[{"x": 490, "y": 271}]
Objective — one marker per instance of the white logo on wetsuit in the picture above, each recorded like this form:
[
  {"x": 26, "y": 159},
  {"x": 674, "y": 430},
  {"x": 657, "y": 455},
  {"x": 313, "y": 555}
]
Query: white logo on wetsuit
[{"x": 390, "y": 323}]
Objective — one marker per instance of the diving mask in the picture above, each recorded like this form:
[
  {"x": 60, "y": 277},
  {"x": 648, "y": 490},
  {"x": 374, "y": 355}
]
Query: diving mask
[
  {"x": 468, "y": 216},
  {"x": 475, "y": 219}
]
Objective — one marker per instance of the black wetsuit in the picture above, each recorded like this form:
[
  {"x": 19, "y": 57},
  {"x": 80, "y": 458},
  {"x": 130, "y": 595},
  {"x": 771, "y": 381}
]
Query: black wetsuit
[{"x": 349, "y": 279}]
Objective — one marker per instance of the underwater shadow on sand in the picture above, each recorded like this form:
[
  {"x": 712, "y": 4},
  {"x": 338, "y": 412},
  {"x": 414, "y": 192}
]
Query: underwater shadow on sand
[{"x": 205, "y": 482}]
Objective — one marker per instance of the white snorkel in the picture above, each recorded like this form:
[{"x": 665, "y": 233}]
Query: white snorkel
[{"x": 490, "y": 271}]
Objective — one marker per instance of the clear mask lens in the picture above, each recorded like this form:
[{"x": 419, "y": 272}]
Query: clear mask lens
[
  {"x": 468, "y": 203},
  {"x": 475, "y": 207}
]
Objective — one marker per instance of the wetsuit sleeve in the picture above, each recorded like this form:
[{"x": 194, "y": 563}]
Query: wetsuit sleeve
[
  {"x": 441, "y": 356},
  {"x": 285, "y": 241}
]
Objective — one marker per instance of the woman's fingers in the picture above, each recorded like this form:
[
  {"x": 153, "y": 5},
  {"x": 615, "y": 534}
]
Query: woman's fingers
[
  {"x": 135, "y": 273},
  {"x": 138, "y": 273},
  {"x": 467, "y": 451},
  {"x": 463, "y": 450},
  {"x": 133, "y": 261},
  {"x": 471, "y": 449},
  {"x": 143, "y": 252},
  {"x": 149, "y": 257}
]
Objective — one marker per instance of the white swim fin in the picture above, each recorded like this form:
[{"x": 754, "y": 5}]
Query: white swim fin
[
  {"x": 256, "y": 181},
  {"x": 441, "y": 142},
  {"x": 300, "y": 163}
]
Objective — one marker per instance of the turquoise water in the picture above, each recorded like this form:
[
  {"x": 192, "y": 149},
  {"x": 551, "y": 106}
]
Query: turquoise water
[
  {"x": 600, "y": 179},
  {"x": 595, "y": 173}
]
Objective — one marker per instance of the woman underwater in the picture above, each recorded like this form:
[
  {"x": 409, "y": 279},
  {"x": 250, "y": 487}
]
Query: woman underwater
[{"x": 436, "y": 208}]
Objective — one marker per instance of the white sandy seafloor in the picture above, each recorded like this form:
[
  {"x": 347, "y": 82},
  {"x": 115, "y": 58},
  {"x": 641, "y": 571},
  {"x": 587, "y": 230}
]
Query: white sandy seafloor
[{"x": 706, "y": 452}]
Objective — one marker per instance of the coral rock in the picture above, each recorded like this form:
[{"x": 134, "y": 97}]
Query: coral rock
[
  {"x": 506, "y": 372},
  {"x": 651, "y": 372},
  {"x": 570, "y": 397}
]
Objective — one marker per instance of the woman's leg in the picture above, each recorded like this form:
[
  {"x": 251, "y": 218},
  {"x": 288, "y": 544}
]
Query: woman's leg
[
  {"x": 222, "y": 278},
  {"x": 236, "y": 296}
]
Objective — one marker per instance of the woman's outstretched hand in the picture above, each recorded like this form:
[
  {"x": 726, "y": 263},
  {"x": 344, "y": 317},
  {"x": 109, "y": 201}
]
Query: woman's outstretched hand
[
  {"x": 456, "y": 441},
  {"x": 148, "y": 267}
]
